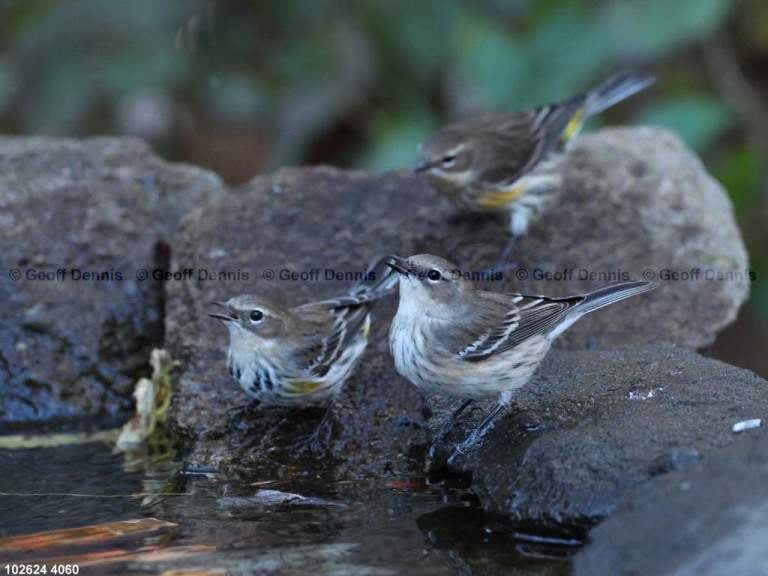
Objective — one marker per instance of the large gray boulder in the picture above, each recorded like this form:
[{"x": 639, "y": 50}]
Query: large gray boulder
[
  {"x": 254, "y": 241},
  {"x": 78, "y": 221},
  {"x": 636, "y": 200},
  {"x": 637, "y": 205},
  {"x": 612, "y": 410},
  {"x": 629, "y": 207},
  {"x": 593, "y": 424},
  {"x": 710, "y": 519}
]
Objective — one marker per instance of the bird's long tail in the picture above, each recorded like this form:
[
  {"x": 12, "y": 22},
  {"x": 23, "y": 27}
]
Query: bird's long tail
[
  {"x": 569, "y": 117},
  {"x": 600, "y": 298},
  {"x": 613, "y": 293},
  {"x": 614, "y": 89},
  {"x": 378, "y": 280}
]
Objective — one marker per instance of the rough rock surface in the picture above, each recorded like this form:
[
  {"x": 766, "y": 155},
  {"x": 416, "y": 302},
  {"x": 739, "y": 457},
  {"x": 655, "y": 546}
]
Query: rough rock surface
[
  {"x": 709, "y": 519},
  {"x": 639, "y": 205},
  {"x": 624, "y": 193},
  {"x": 71, "y": 346},
  {"x": 593, "y": 424},
  {"x": 295, "y": 221},
  {"x": 636, "y": 199}
]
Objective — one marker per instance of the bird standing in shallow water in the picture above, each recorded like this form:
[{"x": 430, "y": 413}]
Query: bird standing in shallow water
[
  {"x": 452, "y": 339},
  {"x": 513, "y": 162}
]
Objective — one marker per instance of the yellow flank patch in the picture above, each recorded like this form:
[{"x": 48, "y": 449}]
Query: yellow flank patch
[
  {"x": 497, "y": 200},
  {"x": 304, "y": 386},
  {"x": 573, "y": 124},
  {"x": 366, "y": 328}
]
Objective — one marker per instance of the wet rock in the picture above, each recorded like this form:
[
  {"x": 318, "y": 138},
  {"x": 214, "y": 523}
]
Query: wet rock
[
  {"x": 270, "y": 498},
  {"x": 637, "y": 199},
  {"x": 593, "y": 424},
  {"x": 72, "y": 345},
  {"x": 298, "y": 235},
  {"x": 709, "y": 519},
  {"x": 639, "y": 205},
  {"x": 71, "y": 348}
]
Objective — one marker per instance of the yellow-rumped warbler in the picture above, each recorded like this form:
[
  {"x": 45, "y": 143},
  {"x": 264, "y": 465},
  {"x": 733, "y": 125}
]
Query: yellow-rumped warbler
[
  {"x": 512, "y": 162},
  {"x": 298, "y": 356},
  {"x": 452, "y": 339}
]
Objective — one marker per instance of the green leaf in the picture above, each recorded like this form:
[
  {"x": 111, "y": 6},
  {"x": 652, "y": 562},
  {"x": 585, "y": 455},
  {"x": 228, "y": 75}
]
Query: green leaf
[
  {"x": 492, "y": 60},
  {"x": 8, "y": 83},
  {"x": 422, "y": 28},
  {"x": 134, "y": 68},
  {"x": 236, "y": 97},
  {"x": 739, "y": 173},
  {"x": 698, "y": 119},
  {"x": 761, "y": 297},
  {"x": 652, "y": 27},
  {"x": 395, "y": 140},
  {"x": 71, "y": 83},
  {"x": 566, "y": 49}
]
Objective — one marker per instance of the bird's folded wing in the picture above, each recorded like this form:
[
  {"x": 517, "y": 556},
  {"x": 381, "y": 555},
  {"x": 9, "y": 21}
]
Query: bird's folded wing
[
  {"x": 348, "y": 315},
  {"x": 526, "y": 316}
]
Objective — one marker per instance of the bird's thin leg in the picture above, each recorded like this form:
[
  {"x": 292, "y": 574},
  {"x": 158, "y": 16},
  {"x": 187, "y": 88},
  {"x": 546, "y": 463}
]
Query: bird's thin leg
[
  {"x": 236, "y": 414},
  {"x": 443, "y": 432},
  {"x": 502, "y": 265},
  {"x": 478, "y": 433},
  {"x": 321, "y": 437}
]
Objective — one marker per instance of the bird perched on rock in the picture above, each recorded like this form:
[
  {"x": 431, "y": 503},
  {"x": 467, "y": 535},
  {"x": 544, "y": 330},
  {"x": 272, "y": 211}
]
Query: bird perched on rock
[
  {"x": 513, "y": 162},
  {"x": 452, "y": 339},
  {"x": 298, "y": 356}
]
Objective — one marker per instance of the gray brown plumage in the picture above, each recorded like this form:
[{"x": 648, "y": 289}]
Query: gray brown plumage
[
  {"x": 302, "y": 355},
  {"x": 450, "y": 338},
  {"x": 512, "y": 162}
]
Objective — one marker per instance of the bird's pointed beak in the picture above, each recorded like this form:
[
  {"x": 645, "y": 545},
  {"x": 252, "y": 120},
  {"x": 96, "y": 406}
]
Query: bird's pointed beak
[
  {"x": 399, "y": 265},
  {"x": 229, "y": 316},
  {"x": 422, "y": 166}
]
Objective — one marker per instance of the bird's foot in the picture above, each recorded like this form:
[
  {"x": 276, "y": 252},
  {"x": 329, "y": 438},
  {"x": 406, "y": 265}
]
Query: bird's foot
[
  {"x": 320, "y": 440},
  {"x": 441, "y": 434},
  {"x": 487, "y": 423},
  {"x": 463, "y": 447},
  {"x": 237, "y": 414}
]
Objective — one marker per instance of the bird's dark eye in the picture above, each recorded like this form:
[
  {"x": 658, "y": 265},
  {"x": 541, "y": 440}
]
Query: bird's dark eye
[
  {"x": 256, "y": 315},
  {"x": 434, "y": 275},
  {"x": 449, "y": 160}
]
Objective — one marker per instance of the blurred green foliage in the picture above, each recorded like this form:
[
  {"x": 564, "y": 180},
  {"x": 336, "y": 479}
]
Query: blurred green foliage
[
  {"x": 697, "y": 118},
  {"x": 360, "y": 83},
  {"x": 297, "y": 69}
]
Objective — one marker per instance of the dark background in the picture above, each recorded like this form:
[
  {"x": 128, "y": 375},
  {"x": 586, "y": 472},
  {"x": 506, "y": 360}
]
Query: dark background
[{"x": 244, "y": 87}]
